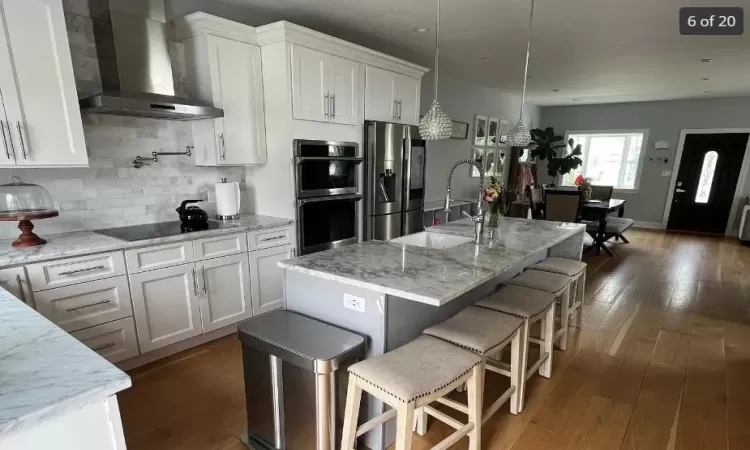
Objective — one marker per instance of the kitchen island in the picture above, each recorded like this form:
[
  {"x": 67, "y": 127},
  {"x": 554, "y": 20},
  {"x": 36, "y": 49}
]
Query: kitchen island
[{"x": 391, "y": 291}]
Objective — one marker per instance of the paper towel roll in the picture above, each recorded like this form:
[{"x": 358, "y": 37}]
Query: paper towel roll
[{"x": 227, "y": 199}]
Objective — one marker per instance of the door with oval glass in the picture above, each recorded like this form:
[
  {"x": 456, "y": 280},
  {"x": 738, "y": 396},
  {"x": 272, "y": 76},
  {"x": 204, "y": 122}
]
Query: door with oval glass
[{"x": 706, "y": 182}]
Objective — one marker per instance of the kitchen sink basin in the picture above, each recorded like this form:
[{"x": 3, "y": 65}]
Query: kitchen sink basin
[{"x": 431, "y": 240}]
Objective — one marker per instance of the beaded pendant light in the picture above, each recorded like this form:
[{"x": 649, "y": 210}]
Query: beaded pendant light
[
  {"x": 436, "y": 125},
  {"x": 519, "y": 135}
]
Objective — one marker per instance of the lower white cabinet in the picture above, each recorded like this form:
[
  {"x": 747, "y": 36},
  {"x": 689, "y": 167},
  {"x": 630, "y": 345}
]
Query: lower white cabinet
[
  {"x": 115, "y": 341},
  {"x": 14, "y": 281},
  {"x": 225, "y": 291},
  {"x": 166, "y": 306},
  {"x": 268, "y": 277}
]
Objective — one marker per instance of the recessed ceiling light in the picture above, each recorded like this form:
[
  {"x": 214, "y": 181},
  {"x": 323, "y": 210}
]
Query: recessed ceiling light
[
  {"x": 421, "y": 29},
  {"x": 528, "y": 77},
  {"x": 706, "y": 92},
  {"x": 576, "y": 99},
  {"x": 486, "y": 58},
  {"x": 706, "y": 79},
  {"x": 555, "y": 90},
  {"x": 706, "y": 60}
]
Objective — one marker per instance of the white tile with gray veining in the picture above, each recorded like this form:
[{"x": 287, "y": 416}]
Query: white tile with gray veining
[
  {"x": 45, "y": 372},
  {"x": 88, "y": 242},
  {"x": 435, "y": 276}
]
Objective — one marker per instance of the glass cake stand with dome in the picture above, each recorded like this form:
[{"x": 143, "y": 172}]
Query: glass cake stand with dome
[{"x": 24, "y": 202}]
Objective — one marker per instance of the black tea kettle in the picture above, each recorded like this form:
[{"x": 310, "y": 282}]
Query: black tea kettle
[{"x": 191, "y": 216}]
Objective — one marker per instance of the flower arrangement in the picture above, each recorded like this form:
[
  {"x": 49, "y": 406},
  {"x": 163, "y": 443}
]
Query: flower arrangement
[
  {"x": 497, "y": 199},
  {"x": 584, "y": 184}
]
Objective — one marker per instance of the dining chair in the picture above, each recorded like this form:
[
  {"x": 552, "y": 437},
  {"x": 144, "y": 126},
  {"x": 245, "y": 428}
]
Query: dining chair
[
  {"x": 534, "y": 193},
  {"x": 563, "y": 206},
  {"x": 603, "y": 193}
]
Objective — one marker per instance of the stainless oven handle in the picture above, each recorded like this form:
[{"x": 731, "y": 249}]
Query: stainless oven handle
[
  {"x": 328, "y": 199},
  {"x": 329, "y": 158}
]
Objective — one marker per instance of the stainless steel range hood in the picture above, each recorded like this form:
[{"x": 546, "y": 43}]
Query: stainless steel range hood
[{"x": 136, "y": 71}]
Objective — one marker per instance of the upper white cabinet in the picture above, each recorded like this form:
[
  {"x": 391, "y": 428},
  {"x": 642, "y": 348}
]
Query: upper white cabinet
[
  {"x": 224, "y": 69},
  {"x": 40, "y": 118},
  {"x": 325, "y": 88},
  {"x": 391, "y": 97}
]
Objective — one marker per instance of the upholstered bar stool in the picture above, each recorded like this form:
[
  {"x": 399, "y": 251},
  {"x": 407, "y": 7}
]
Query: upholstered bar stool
[
  {"x": 552, "y": 283},
  {"x": 485, "y": 333},
  {"x": 411, "y": 377},
  {"x": 531, "y": 306},
  {"x": 576, "y": 270}
]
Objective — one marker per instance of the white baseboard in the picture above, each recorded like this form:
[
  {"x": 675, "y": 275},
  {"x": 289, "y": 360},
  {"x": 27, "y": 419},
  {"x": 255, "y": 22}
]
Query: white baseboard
[{"x": 649, "y": 225}]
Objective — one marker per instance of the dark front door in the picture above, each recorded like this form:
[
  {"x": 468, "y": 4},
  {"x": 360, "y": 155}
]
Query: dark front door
[{"x": 706, "y": 182}]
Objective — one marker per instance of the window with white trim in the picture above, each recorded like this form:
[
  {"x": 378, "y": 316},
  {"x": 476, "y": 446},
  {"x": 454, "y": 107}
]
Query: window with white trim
[{"x": 609, "y": 158}]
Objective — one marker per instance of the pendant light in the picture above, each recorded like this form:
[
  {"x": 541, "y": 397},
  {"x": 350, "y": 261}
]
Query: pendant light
[
  {"x": 519, "y": 136},
  {"x": 436, "y": 125}
]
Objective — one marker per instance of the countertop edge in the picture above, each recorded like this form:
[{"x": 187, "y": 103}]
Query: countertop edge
[{"x": 7, "y": 262}]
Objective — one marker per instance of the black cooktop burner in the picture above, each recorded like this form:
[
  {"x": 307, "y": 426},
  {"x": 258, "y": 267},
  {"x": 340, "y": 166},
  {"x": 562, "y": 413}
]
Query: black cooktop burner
[{"x": 155, "y": 230}]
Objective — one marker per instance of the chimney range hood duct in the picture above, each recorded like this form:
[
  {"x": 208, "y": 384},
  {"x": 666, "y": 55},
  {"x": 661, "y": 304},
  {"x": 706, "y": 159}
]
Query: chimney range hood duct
[{"x": 136, "y": 71}]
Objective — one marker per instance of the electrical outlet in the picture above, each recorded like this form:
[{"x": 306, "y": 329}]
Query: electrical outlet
[
  {"x": 666, "y": 173},
  {"x": 354, "y": 303}
]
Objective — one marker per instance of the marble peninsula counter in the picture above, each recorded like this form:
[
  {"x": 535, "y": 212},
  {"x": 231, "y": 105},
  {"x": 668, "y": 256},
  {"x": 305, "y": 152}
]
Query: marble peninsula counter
[
  {"x": 390, "y": 292},
  {"x": 47, "y": 376}
]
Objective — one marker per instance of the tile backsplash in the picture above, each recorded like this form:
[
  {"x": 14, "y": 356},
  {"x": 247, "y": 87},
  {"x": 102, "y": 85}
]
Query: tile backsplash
[{"x": 111, "y": 192}]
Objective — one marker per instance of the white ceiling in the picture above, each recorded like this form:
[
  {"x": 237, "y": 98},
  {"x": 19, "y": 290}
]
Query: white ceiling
[{"x": 596, "y": 51}]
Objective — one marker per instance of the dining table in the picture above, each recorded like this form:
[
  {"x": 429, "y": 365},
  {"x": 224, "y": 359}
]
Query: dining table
[{"x": 599, "y": 210}]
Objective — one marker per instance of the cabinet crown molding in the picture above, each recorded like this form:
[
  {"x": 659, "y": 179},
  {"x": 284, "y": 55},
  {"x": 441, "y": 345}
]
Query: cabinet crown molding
[
  {"x": 200, "y": 23},
  {"x": 284, "y": 31}
]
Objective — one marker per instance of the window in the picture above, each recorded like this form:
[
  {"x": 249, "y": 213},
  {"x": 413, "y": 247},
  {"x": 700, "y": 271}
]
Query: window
[
  {"x": 609, "y": 158},
  {"x": 707, "y": 177}
]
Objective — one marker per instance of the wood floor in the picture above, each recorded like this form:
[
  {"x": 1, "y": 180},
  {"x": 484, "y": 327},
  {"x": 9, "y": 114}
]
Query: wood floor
[{"x": 660, "y": 361}]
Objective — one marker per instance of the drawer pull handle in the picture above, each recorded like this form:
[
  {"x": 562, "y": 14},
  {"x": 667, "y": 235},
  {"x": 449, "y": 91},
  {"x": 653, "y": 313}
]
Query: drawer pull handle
[
  {"x": 103, "y": 347},
  {"x": 273, "y": 238},
  {"x": 87, "y": 269},
  {"x": 103, "y": 302},
  {"x": 19, "y": 283}
]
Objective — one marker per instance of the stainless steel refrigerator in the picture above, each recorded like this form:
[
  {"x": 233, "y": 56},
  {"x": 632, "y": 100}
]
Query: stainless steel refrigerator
[{"x": 394, "y": 180}]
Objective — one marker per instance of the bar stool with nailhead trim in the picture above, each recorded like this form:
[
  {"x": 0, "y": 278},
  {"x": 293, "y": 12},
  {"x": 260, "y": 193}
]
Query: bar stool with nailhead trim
[
  {"x": 486, "y": 333},
  {"x": 552, "y": 283},
  {"x": 531, "y": 306},
  {"x": 412, "y": 377},
  {"x": 576, "y": 270}
]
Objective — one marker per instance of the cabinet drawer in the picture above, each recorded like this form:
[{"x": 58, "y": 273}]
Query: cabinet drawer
[
  {"x": 84, "y": 305},
  {"x": 115, "y": 341},
  {"x": 65, "y": 272},
  {"x": 219, "y": 246},
  {"x": 151, "y": 258},
  {"x": 272, "y": 237}
]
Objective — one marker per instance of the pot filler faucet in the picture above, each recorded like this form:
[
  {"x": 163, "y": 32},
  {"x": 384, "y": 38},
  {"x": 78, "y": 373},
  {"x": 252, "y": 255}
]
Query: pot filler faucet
[{"x": 479, "y": 218}]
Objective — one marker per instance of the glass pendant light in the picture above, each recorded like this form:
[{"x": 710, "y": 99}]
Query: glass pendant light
[
  {"x": 519, "y": 136},
  {"x": 436, "y": 125}
]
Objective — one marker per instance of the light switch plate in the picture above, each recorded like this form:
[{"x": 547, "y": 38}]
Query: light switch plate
[
  {"x": 666, "y": 173},
  {"x": 354, "y": 303}
]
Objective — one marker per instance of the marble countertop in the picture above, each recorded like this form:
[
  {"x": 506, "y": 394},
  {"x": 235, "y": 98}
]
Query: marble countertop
[
  {"x": 44, "y": 371},
  {"x": 435, "y": 276},
  {"x": 81, "y": 243}
]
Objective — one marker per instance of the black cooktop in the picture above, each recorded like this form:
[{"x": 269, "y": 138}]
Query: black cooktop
[{"x": 155, "y": 230}]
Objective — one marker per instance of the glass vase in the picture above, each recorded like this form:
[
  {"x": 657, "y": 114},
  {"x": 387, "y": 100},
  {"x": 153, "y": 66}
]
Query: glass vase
[{"x": 494, "y": 220}]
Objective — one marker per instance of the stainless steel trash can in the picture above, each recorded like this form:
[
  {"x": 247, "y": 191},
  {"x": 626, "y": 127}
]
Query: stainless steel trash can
[{"x": 291, "y": 364}]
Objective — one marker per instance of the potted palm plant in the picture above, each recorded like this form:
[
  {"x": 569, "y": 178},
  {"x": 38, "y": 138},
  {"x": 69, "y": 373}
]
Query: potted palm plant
[{"x": 549, "y": 147}]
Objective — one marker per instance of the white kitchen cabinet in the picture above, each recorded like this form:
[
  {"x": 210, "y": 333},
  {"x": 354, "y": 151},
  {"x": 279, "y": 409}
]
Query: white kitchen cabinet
[
  {"x": 391, "y": 97},
  {"x": 116, "y": 341},
  {"x": 223, "y": 68},
  {"x": 325, "y": 88},
  {"x": 41, "y": 121},
  {"x": 268, "y": 278},
  {"x": 224, "y": 291},
  {"x": 14, "y": 281},
  {"x": 166, "y": 306}
]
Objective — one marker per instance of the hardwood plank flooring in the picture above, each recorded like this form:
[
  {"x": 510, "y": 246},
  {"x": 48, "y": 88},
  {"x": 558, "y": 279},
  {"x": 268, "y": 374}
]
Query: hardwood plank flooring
[{"x": 660, "y": 360}]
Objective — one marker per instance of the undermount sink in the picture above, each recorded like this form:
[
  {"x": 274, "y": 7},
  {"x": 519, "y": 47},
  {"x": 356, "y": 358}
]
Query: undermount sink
[{"x": 431, "y": 240}]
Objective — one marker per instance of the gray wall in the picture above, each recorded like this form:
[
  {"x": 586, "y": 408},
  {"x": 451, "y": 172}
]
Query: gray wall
[
  {"x": 664, "y": 120},
  {"x": 462, "y": 101}
]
